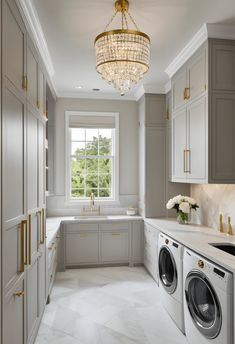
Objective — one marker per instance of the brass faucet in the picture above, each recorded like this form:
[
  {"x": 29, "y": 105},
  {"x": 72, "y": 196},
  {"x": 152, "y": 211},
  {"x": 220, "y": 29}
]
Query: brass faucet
[
  {"x": 92, "y": 203},
  {"x": 230, "y": 228},
  {"x": 221, "y": 226}
]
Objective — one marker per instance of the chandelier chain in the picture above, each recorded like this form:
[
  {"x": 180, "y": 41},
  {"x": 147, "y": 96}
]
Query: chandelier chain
[
  {"x": 133, "y": 21},
  {"x": 125, "y": 20},
  {"x": 111, "y": 20}
]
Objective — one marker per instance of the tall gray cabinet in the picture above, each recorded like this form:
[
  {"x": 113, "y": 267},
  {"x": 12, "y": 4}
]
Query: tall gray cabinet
[
  {"x": 155, "y": 187},
  {"x": 23, "y": 181}
]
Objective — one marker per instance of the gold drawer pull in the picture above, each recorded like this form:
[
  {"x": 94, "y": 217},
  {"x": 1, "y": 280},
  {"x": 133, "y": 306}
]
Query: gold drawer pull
[
  {"x": 25, "y": 83},
  {"x": 19, "y": 293},
  {"x": 186, "y": 93},
  {"x": 116, "y": 234},
  {"x": 29, "y": 240},
  {"x": 22, "y": 244}
]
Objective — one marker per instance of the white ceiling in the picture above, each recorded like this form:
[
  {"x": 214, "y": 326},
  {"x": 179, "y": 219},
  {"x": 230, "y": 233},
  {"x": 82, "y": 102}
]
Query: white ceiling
[{"x": 70, "y": 27}]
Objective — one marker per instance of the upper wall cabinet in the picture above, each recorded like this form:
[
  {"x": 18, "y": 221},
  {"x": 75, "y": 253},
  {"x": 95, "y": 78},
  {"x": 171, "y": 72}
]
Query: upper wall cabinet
[
  {"x": 32, "y": 75},
  {"x": 203, "y": 148},
  {"x": 191, "y": 80},
  {"x": 13, "y": 46}
]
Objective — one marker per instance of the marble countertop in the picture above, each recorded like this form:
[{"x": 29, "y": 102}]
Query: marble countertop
[
  {"x": 198, "y": 238},
  {"x": 53, "y": 223}
]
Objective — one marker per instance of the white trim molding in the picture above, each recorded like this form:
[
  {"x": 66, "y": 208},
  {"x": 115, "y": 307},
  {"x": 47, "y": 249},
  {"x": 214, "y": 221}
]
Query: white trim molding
[
  {"x": 206, "y": 31},
  {"x": 33, "y": 25}
]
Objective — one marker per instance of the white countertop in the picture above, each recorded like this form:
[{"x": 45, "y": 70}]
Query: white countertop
[
  {"x": 198, "y": 239},
  {"x": 53, "y": 223}
]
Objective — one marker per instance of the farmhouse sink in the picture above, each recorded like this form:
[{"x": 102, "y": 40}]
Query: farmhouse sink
[{"x": 228, "y": 248}]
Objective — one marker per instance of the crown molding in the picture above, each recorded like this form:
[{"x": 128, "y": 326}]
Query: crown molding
[
  {"x": 167, "y": 87},
  {"x": 96, "y": 95},
  {"x": 33, "y": 25},
  {"x": 205, "y": 32},
  {"x": 147, "y": 88}
]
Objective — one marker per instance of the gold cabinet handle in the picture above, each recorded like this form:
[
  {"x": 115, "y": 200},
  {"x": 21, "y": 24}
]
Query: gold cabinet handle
[
  {"x": 167, "y": 114},
  {"x": 29, "y": 239},
  {"x": 38, "y": 104},
  {"x": 25, "y": 83},
  {"x": 43, "y": 226},
  {"x": 188, "y": 155},
  {"x": 19, "y": 293},
  {"x": 39, "y": 213},
  {"x": 186, "y": 93},
  {"x": 116, "y": 234},
  {"x": 22, "y": 244},
  {"x": 185, "y": 170}
]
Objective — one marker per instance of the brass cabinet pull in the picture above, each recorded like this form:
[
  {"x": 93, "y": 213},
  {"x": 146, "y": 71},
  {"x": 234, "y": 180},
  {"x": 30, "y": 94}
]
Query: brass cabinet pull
[
  {"x": 167, "y": 114},
  {"x": 39, "y": 213},
  {"x": 43, "y": 226},
  {"x": 29, "y": 239},
  {"x": 185, "y": 161},
  {"x": 22, "y": 244},
  {"x": 188, "y": 152},
  {"x": 25, "y": 83},
  {"x": 186, "y": 93},
  {"x": 38, "y": 104},
  {"x": 19, "y": 293}
]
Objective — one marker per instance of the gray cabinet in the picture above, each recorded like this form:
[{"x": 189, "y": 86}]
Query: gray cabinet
[
  {"x": 151, "y": 250},
  {"x": 114, "y": 246},
  {"x": 179, "y": 85},
  {"x": 137, "y": 242},
  {"x": 204, "y": 151},
  {"x": 32, "y": 74}
]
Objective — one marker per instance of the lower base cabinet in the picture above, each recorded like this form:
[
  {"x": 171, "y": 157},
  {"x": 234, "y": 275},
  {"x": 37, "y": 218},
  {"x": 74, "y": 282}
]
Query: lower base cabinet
[
  {"x": 114, "y": 247},
  {"x": 151, "y": 250},
  {"x": 32, "y": 300},
  {"x": 13, "y": 321},
  {"x": 42, "y": 294},
  {"x": 103, "y": 243}
]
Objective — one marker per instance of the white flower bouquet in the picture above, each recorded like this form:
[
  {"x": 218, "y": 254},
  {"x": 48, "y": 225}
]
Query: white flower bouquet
[{"x": 183, "y": 206}]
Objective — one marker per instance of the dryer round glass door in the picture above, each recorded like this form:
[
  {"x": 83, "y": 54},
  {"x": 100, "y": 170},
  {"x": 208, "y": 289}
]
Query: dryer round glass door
[
  {"x": 167, "y": 270},
  {"x": 203, "y": 304}
]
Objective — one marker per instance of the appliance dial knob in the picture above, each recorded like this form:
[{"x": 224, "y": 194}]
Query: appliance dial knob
[
  {"x": 200, "y": 264},
  {"x": 167, "y": 241}
]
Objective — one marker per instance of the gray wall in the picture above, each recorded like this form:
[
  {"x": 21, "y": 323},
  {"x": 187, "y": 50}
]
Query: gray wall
[{"x": 128, "y": 151}]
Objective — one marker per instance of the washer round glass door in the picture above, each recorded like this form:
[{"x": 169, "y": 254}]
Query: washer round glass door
[
  {"x": 203, "y": 304},
  {"x": 167, "y": 270}
]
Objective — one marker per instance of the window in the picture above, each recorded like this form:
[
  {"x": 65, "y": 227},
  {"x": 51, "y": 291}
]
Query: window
[{"x": 92, "y": 156}]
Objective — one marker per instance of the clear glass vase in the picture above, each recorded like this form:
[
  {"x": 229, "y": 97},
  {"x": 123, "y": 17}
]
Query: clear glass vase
[{"x": 183, "y": 218}]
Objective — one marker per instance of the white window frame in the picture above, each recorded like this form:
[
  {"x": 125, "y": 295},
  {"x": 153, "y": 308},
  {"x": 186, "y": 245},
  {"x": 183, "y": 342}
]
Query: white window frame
[{"x": 115, "y": 187}]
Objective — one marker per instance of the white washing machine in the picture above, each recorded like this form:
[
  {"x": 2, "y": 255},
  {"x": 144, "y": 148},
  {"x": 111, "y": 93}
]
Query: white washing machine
[
  {"x": 208, "y": 307},
  {"x": 170, "y": 264}
]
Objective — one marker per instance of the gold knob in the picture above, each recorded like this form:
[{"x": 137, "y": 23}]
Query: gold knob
[
  {"x": 200, "y": 264},
  {"x": 19, "y": 293},
  {"x": 167, "y": 241}
]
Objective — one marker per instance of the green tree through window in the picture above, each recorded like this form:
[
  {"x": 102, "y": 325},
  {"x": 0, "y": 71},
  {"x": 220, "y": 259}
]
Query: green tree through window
[{"x": 91, "y": 163}]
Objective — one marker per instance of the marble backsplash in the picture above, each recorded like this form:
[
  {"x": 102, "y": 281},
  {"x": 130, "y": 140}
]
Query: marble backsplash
[{"x": 212, "y": 199}]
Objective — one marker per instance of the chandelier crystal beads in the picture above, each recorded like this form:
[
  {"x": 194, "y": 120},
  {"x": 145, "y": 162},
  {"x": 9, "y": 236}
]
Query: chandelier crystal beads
[{"x": 122, "y": 55}]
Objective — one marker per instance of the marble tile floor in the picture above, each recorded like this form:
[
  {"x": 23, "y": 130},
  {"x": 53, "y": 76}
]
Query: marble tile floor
[{"x": 114, "y": 305}]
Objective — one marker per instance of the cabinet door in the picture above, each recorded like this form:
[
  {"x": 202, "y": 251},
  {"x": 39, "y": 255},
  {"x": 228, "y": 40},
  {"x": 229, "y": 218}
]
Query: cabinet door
[
  {"x": 222, "y": 143},
  {"x": 32, "y": 75},
  {"x": 179, "y": 130},
  {"x": 13, "y": 49},
  {"x": 114, "y": 247},
  {"x": 13, "y": 182},
  {"x": 42, "y": 280},
  {"x": 137, "y": 242},
  {"x": 179, "y": 83},
  {"x": 32, "y": 300},
  {"x": 41, "y": 164},
  {"x": 223, "y": 67},
  {"x": 155, "y": 171},
  {"x": 197, "y": 74},
  {"x": 82, "y": 248},
  {"x": 32, "y": 161},
  {"x": 14, "y": 311},
  {"x": 196, "y": 159}
]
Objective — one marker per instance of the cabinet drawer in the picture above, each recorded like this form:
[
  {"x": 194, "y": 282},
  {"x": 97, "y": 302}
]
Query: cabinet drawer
[
  {"x": 114, "y": 226},
  {"x": 77, "y": 227},
  {"x": 114, "y": 246},
  {"x": 82, "y": 248}
]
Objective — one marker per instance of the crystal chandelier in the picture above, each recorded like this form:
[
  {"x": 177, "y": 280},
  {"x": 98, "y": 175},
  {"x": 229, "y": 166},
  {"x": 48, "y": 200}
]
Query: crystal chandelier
[{"x": 122, "y": 55}]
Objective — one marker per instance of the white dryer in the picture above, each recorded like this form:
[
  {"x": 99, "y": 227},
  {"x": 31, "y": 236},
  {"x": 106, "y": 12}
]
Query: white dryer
[
  {"x": 208, "y": 290},
  {"x": 170, "y": 264}
]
